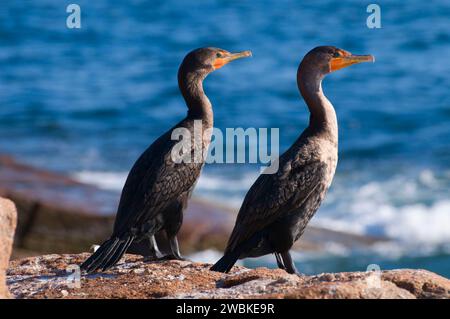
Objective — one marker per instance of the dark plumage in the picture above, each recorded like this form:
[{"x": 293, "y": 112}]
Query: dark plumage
[
  {"x": 158, "y": 187},
  {"x": 278, "y": 206}
]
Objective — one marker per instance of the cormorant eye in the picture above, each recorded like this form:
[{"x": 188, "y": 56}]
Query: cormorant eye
[
  {"x": 336, "y": 54},
  {"x": 218, "y": 55}
]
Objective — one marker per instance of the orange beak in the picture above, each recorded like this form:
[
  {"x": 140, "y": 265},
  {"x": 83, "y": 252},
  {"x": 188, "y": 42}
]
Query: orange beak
[
  {"x": 345, "y": 61},
  {"x": 220, "y": 62}
]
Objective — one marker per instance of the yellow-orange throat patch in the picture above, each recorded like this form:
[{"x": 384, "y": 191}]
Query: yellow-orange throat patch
[
  {"x": 219, "y": 62},
  {"x": 339, "y": 63}
]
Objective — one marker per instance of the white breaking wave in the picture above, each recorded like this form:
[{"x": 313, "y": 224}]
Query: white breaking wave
[
  {"x": 112, "y": 181},
  {"x": 411, "y": 210},
  {"x": 411, "y": 224}
]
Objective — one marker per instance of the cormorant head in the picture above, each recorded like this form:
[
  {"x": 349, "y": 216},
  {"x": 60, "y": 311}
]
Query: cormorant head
[
  {"x": 327, "y": 59},
  {"x": 206, "y": 60}
]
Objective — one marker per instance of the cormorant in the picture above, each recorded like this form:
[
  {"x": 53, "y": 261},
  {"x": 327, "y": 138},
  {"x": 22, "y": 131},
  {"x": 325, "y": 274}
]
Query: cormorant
[
  {"x": 278, "y": 206},
  {"x": 158, "y": 187}
]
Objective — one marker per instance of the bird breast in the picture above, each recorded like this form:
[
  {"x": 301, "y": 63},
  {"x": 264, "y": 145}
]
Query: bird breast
[{"x": 328, "y": 155}]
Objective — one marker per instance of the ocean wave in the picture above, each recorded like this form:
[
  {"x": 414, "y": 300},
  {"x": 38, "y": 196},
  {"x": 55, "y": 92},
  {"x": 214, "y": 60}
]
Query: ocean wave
[
  {"x": 221, "y": 189},
  {"x": 411, "y": 224},
  {"x": 414, "y": 210},
  {"x": 112, "y": 181}
]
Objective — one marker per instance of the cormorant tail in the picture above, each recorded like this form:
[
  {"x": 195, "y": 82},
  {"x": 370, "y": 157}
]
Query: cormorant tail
[
  {"x": 225, "y": 263},
  {"x": 108, "y": 254},
  {"x": 228, "y": 260},
  {"x": 118, "y": 254}
]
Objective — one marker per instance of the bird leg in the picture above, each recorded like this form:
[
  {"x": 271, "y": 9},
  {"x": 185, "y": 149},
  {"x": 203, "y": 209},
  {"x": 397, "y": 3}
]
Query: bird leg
[
  {"x": 279, "y": 261},
  {"x": 154, "y": 254},
  {"x": 288, "y": 263},
  {"x": 175, "y": 250}
]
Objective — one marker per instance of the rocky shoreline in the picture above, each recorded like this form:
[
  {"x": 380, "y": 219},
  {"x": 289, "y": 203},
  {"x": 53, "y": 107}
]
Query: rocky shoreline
[
  {"x": 8, "y": 221},
  {"x": 46, "y": 277}
]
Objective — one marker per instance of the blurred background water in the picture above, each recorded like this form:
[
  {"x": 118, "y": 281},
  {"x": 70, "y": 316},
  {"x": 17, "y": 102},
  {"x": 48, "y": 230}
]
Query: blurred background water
[{"x": 88, "y": 101}]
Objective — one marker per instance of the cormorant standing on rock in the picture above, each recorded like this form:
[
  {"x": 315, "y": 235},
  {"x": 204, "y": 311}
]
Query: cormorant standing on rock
[
  {"x": 278, "y": 206},
  {"x": 158, "y": 187}
]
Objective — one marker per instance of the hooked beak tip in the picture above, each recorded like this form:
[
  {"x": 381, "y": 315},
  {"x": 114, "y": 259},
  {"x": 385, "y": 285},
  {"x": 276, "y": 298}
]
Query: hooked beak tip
[
  {"x": 243, "y": 54},
  {"x": 371, "y": 58},
  {"x": 362, "y": 58}
]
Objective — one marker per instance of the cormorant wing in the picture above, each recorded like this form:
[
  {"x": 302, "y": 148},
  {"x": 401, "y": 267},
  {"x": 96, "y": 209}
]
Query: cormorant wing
[
  {"x": 153, "y": 183},
  {"x": 273, "y": 196}
]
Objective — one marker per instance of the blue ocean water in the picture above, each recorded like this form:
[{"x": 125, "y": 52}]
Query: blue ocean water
[{"x": 88, "y": 101}]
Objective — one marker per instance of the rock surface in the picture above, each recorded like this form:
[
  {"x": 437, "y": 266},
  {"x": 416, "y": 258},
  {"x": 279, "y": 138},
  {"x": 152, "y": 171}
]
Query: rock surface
[
  {"x": 8, "y": 221},
  {"x": 46, "y": 277}
]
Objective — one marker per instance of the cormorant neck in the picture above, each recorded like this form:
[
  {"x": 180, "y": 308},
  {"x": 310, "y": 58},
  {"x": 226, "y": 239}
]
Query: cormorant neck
[
  {"x": 323, "y": 116},
  {"x": 199, "y": 106}
]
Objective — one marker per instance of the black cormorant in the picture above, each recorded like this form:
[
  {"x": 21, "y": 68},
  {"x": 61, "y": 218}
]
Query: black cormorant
[
  {"x": 278, "y": 206},
  {"x": 158, "y": 186}
]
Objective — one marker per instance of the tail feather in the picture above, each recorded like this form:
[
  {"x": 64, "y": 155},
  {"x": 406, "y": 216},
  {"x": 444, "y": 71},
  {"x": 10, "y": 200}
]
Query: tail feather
[
  {"x": 107, "y": 255},
  {"x": 118, "y": 254},
  {"x": 230, "y": 257},
  {"x": 100, "y": 254},
  {"x": 225, "y": 263}
]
